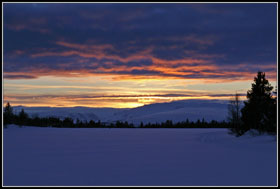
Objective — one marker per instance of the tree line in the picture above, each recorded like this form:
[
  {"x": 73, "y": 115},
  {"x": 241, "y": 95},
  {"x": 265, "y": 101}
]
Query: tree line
[{"x": 24, "y": 119}]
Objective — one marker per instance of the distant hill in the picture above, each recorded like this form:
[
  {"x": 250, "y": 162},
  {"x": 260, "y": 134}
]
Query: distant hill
[{"x": 158, "y": 112}]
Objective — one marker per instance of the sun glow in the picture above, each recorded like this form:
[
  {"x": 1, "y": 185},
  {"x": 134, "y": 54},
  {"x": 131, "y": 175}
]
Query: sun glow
[{"x": 103, "y": 92}]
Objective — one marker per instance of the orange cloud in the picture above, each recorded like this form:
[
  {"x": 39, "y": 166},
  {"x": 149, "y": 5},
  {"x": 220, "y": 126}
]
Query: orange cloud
[{"x": 195, "y": 66}]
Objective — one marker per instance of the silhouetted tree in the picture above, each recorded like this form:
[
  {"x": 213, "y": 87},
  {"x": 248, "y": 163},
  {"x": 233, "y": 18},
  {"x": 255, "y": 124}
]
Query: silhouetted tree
[
  {"x": 198, "y": 123},
  {"x": 168, "y": 123},
  {"x": 8, "y": 115},
  {"x": 22, "y": 118},
  {"x": 67, "y": 122},
  {"x": 259, "y": 111}
]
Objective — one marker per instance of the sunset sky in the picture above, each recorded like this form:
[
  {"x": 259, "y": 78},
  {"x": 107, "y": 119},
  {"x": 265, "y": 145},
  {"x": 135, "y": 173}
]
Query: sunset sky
[{"x": 125, "y": 55}]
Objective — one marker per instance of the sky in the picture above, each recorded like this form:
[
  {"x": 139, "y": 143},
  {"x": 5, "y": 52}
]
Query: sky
[{"x": 125, "y": 55}]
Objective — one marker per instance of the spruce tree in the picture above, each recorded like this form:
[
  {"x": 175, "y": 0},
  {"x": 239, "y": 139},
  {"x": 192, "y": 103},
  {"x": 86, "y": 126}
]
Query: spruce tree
[
  {"x": 259, "y": 111},
  {"x": 8, "y": 115}
]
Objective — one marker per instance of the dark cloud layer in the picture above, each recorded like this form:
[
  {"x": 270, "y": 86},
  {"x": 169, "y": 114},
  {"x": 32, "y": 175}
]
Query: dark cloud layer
[{"x": 215, "y": 41}]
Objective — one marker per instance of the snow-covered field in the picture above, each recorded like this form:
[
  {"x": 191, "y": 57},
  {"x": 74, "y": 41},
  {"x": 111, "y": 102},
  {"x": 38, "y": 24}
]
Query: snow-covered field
[{"x": 136, "y": 157}]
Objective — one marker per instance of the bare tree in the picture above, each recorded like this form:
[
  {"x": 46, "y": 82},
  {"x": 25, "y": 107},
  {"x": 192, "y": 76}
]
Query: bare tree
[{"x": 234, "y": 114}]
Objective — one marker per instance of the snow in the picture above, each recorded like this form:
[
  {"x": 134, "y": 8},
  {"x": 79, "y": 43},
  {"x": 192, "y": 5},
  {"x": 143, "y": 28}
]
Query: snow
[
  {"x": 35, "y": 156},
  {"x": 153, "y": 113}
]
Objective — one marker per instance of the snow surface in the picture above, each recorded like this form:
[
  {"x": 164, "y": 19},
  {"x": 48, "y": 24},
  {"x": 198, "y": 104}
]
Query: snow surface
[
  {"x": 153, "y": 113},
  {"x": 35, "y": 156}
]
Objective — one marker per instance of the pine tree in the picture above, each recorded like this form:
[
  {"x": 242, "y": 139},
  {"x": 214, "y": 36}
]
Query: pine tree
[{"x": 259, "y": 111}]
